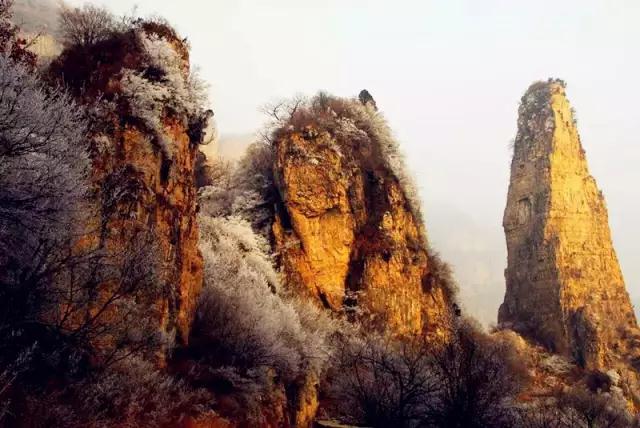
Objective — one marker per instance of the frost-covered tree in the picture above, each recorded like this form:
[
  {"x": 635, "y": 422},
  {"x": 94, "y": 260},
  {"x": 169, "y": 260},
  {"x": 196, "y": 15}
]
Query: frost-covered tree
[
  {"x": 247, "y": 190},
  {"x": 43, "y": 163},
  {"x": 43, "y": 182},
  {"x": 43, "y": 167},
  {"x": 242, "y": 314}
]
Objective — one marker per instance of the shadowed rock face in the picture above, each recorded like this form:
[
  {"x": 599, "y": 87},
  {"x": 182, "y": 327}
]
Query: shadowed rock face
[
  {"x": 565, "y": 289},
  {"x": 346, "y": 235}
]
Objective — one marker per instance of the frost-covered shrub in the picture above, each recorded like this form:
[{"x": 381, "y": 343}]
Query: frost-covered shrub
[
  {"x": 235, "y": 240},
  {"x": 320, "y": 328},
  {"x": 131, "y": 393},
  {"x": 577, "y": 407},
  {"x": 242, "y": 319},
  {"x": 583, "y": 408},
  {"x": 246, "y": 191},
  {"x": 135, "y": 391}
]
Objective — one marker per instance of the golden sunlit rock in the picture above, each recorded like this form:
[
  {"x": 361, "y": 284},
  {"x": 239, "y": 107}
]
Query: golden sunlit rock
[
  {"x": 564, "y": 285},
  {"x": 348, "y": 237}
]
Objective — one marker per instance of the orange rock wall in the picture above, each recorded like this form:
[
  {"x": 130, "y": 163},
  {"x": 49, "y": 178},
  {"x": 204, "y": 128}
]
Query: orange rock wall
[
  {"x": 164, "y": 205},
  {"x": 346, "y": 236},
  {"x": 564, "y": 285}
]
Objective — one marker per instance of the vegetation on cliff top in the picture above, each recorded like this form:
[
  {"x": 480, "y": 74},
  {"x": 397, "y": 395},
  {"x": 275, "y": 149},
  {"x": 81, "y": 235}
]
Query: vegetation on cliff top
[
  {"x": 136, "y": 68},
  {"x": 352, "y": 122}
]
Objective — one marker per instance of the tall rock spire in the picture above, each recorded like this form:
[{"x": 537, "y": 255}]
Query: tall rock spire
[{"x": 564, "y": 284}]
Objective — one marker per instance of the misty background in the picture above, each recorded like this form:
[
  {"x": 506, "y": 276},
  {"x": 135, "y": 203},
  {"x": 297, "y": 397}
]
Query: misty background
[{"x": 448, "y": 76}]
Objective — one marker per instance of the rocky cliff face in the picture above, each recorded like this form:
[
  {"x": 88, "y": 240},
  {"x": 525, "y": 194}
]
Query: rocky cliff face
[
  {"x": 346, "y": 231},
  {"x": 565, "y": 289},
  {"x": 144, "y": 149}
]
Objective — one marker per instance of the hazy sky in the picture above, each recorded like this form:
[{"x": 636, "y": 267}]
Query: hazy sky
[{"x": 448, "y": 75}]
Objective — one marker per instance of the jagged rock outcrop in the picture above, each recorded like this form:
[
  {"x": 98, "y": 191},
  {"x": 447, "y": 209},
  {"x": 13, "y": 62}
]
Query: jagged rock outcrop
[
  {"x": 565, "y": 289},
  {"x": 348, "y": 230},
  {"x": 146, "y": 129}
]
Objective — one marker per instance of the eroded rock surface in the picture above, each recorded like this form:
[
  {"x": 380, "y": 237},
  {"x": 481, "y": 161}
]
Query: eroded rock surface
[
  {"x": 565, "y": 288},
  {"x": 145, "y": 134},
  {"x": 346, "y": 232}
]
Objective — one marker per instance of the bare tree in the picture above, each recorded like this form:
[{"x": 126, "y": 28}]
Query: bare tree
[
  {"x": 86, "y": 25},
  {"x": 380, "y": 382},
  {"x": 468, "y": 382},
  {"x": 479, "y": 378}
]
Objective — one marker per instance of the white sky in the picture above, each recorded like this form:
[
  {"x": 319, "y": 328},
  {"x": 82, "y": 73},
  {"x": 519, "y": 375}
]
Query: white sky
[{"x": 448, "y": 75}]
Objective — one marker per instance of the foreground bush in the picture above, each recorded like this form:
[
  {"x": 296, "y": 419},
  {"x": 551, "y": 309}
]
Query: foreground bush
[
  {"x": 468, "y": 382},
  {"x": 131, "y": 393},
  {"x": 242, "y": 314}
]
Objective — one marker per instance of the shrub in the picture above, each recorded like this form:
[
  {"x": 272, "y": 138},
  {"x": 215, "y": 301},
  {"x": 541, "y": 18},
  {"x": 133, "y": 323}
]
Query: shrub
[
  {"x": 468, "y": 382},
  {"x": 131, "y": 393},
  {"x": 247, "y": 191},
  {"x": 242, "y": 321}
]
